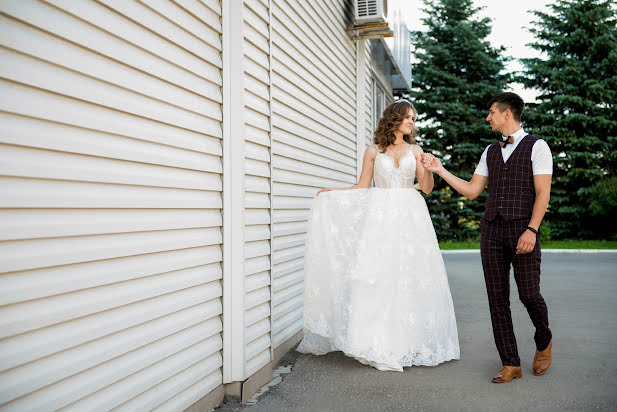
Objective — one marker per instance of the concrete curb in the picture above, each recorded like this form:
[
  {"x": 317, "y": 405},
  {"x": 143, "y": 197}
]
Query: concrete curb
[{"x": 585, "y": 251}]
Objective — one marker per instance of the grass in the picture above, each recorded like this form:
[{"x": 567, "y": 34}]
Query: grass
[
  {"x": 452, "y": 245},
  {"x": 551, "y": 244}
]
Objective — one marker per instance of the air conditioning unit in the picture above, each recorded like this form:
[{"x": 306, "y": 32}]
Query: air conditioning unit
[{"x": 371, "y": 11}]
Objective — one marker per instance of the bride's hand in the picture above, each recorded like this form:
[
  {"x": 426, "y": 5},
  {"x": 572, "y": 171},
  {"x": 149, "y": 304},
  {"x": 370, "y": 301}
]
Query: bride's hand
[
  {"x": 323, "y": 190},
  {"x": 431, "y": 163},
  {"x": 426, "y": 159}
]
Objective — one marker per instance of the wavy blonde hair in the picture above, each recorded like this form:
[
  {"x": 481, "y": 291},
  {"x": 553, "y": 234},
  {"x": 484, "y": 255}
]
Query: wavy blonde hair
[{"x": 390, "y": 121}]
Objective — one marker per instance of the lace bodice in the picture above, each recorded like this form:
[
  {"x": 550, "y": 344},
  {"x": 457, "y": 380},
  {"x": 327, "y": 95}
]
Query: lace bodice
[{"x": 388, "y": 176}]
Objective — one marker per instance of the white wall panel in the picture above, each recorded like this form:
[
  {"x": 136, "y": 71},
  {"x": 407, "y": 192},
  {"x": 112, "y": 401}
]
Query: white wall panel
[
  {"x": 111, "y": 223},
  {"x": 368, "y": 95},
  {"x": 110, "y": 219},
  {"x": 314, "y": 136},
  {"x": 257, "y": 251}
]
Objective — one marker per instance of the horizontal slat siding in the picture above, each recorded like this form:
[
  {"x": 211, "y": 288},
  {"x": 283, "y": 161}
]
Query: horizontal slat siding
[
  {"x": 32, "y": 163},
  {"x": 45, "y": 223},
  {"x": 256, "y": 84},
  {"x": 40, "y": 343},
  {"x": 314, "y": 136},
  {"x": 50, "y": 281},
  {"x": 32, "y": 103},
  {"x": 110, "y": 219},
  {"x": 104, "y": 31},
  {"x": 368, "y": 94},
  {"x": 23, "y": 69},
  {"x": 54, "y": 368}
]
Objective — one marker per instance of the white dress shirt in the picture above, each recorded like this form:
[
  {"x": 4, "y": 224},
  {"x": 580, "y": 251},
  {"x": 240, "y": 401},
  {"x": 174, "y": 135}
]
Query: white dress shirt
[{"x": 541, "y": 157}]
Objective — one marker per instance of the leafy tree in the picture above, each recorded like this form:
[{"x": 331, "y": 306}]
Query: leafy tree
[
  {"x": 577, "y": 111},
  {"x": 456, "y": 74}
]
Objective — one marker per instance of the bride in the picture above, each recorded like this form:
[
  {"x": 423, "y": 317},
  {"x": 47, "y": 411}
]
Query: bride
[{"x": 375, "y": 284}]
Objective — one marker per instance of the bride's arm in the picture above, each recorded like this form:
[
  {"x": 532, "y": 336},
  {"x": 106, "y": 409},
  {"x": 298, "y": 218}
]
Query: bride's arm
[
  {"x": 367, "y": 171},
  {"x": 425, "y": 178}
]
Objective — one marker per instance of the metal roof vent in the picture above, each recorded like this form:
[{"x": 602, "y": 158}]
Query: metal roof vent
[{"x": 371, "y": 11}]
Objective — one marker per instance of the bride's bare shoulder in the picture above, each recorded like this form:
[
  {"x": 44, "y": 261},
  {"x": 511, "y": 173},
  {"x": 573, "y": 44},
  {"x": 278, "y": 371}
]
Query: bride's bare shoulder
[
  {"x": 372, "y": 150},
  {"x": 417, "y": 150}
]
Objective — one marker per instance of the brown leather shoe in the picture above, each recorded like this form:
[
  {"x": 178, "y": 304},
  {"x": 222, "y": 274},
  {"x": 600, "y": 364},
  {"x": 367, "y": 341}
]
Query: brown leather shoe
[
  {"x": 542, "y": 360},
  {"x": 508, "y": 373}
]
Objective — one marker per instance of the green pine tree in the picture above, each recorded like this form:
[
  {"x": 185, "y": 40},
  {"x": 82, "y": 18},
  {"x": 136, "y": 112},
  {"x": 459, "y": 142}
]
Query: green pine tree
[
  {"x": 456, "y": 74},
  {"x": 577, "y": 111}
]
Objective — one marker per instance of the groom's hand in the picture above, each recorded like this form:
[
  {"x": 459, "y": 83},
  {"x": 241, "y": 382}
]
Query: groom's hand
[{"x": 526, "y": 242}]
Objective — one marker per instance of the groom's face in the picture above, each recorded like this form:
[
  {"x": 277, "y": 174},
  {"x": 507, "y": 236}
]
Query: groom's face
[{"x": 496, "y": 118}]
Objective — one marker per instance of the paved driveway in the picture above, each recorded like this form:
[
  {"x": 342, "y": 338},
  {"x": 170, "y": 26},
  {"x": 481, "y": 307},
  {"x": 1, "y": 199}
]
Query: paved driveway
[{"x": 581, "y": 293}]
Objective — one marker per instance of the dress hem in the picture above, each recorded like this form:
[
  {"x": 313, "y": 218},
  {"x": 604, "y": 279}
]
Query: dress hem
[{"x": 327, "y": 346}]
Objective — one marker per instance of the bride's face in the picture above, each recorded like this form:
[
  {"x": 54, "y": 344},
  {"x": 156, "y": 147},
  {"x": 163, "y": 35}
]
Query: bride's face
[{"x": 408, "y": 122}]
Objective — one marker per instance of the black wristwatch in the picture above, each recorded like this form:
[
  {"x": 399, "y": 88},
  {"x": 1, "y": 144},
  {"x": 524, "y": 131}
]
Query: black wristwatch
[{"x": 532, "y": 229}]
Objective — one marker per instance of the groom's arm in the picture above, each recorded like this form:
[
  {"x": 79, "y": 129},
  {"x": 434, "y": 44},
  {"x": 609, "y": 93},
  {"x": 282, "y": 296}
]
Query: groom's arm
[
  {"x": 542, "y": 184},
  {"x": 471, "y": 189}
]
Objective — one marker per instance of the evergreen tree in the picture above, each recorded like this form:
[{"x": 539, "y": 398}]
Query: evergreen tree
[
  {"x": 456, "y": 74},
  {"x": 577, "y": 111}
]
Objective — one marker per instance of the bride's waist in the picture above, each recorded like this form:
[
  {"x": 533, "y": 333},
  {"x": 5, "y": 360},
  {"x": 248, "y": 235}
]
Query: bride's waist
[
  {"x": 405, "y": 189},
  {"x": 370, "y": 191}
]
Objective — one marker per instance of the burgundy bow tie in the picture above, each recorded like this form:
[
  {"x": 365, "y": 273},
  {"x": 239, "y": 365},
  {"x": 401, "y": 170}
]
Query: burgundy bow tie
[{"x": 506, "y": 141}]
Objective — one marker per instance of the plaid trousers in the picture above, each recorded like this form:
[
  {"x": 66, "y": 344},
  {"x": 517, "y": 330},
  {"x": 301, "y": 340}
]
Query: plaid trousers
[{"x": 498, "y": 251}]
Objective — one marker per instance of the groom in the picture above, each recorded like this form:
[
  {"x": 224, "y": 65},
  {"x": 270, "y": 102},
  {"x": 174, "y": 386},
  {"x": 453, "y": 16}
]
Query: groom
[{"x": 518, "y": 170}]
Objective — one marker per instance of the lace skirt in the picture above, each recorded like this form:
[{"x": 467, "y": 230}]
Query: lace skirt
[{"x": 375, "y": 284}]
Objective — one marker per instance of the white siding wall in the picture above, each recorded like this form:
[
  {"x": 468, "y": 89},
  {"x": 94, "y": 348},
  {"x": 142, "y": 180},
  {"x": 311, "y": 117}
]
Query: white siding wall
[
  {"x": 257, "y": 184},
  {"x": 110, "y": 216},
  {"x": 368, "y": 94},
  {"x": 314, "y": 135},
  {"x": 111, "y": 167}
]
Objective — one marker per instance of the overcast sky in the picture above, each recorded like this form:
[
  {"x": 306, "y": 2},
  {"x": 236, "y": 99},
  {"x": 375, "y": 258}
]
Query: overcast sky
[{"x": 510, "y": 23}]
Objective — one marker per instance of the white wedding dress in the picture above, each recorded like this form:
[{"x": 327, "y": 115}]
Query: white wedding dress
[{"x": 375, "y": 284}]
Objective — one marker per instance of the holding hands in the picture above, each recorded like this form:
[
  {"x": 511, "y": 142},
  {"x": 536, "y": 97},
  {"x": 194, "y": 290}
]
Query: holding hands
[
  {"x": 526, "y": 242},
  {"x": 431, "y": 163}
]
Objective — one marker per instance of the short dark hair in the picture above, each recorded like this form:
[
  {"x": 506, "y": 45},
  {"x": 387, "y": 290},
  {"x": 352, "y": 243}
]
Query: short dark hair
[{"x": 509, "y": 100}]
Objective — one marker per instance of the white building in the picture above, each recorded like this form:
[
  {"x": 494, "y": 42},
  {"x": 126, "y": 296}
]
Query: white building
[{"x": 157, "y": 163}]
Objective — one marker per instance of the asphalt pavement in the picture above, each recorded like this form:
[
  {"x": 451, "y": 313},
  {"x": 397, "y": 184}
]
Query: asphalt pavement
[{"x": 581, "y": 294}]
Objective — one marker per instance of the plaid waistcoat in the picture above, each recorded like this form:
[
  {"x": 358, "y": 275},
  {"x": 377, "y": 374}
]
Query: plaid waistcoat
[{"x": 511, "y": 192}]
